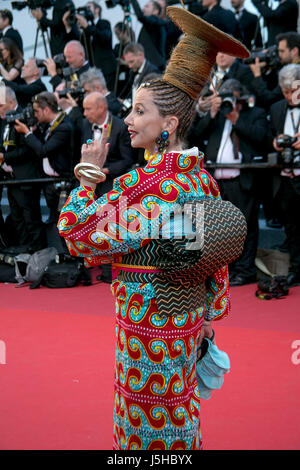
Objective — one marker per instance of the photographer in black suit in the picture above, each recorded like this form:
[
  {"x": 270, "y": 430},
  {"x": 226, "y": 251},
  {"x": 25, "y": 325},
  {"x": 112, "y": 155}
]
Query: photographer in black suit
[
  {"x": 99, "y": 35},
  {"x": 119, "y": 158},
  {"x": 94, "y": 80},
  {"x": 226, "y": 67},
  {"x": 58, "y": 34},
  {"x": 76, "y": 60},
  {"x": 285, "y": 121},
  {"x": 221, "y": 18},
  {"x": 19, "y": 162},
  {"x": 235, "y": 133},
  {"x": 7, "y": 30},
  {"x": 248, "y": 24},
  {"x": 70, "y": 101},
  {"x": 279, "y": 20},
  {"x": 153, "y": 35},
  {"x": 140, "y": 67},
  {"x": 51, "y": 145},
  {"x": 32, "y": 86}
]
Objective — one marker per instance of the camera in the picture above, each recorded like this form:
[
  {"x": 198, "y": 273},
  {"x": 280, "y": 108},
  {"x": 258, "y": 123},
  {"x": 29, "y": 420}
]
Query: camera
[
  {"x": 59, "y": 60},
  {"x": 77, "y": 92},
  {"x": 229, "y": 101},
  {"x": 26, "y": 116},
  {"x": 289, "y": 155},
  {"x": 113, "y": 3},
  {"x": 270, "y": 56},
  {"x": 285, "y": 141},
  {"x": 86, "y": 12},
  {"x": 32, "y": 4}
]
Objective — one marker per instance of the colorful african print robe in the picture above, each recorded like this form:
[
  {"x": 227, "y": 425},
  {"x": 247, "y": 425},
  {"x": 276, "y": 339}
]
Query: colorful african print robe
[{"x": 156, "y": 402}]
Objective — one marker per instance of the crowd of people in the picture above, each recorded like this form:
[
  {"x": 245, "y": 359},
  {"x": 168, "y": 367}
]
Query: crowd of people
[{"x": 245, "y": 112}]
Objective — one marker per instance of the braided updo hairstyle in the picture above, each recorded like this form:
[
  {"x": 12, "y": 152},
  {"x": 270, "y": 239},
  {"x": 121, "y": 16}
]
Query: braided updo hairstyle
[{"x": 171, "y": 101}]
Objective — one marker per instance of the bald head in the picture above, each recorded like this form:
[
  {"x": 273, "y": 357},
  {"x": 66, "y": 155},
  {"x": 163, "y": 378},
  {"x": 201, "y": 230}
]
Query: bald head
[
  {"x": 74, "y": 54},
  {"x": 95, "y": 107}
]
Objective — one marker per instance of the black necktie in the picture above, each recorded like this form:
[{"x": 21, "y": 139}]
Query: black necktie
[{"x": 96, "y": 127}]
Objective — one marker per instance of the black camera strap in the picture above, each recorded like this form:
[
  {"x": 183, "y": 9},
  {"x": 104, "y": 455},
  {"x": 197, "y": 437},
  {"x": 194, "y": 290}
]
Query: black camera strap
[{"x": 295, "y": 128}]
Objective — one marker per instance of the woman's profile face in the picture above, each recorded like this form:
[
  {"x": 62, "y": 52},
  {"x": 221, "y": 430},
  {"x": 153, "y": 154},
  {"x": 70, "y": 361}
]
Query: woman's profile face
[
  {"x": 144, "y": 122},
  {"x": 4, "y": 52}
]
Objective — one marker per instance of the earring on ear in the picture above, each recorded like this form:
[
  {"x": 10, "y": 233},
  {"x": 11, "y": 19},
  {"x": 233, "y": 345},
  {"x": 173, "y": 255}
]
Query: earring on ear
[{"x": 162, "y": 141}]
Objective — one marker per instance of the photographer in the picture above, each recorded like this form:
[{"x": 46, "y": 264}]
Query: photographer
[
  {"x": 235, "y": 133},
  {"x": 70, "y": 101},
  {"x": 139, "y": 66},
  {"x": 285, "y": 137},
  {"x": 248, "y": 24},
  {"x": 221, "y": 18},
  {"x": 52, "y": 144},
  {"x": 153, "y": 35},
  {"x": 280, "y": 20},
  {"x": 288, "y": 53},
  {"x": 33, "y": 84},
  {"x": 99, "y": 35},
  {"x": 173, "y": 32},
  {"x": 58, "y": 34},
  {"x": 75, "y": 57},
  {"x": 93, "y": 80},
  {"x": 20, "y": 163},
  {"x": 125, "y": 35},
  {"x": 226, "y": 67},
  {"x": 7, "y": 31}
]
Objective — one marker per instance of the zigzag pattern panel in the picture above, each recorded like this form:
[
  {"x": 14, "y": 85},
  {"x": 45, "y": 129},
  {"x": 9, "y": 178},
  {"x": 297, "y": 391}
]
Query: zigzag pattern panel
[{"x": 181, "y": 298}]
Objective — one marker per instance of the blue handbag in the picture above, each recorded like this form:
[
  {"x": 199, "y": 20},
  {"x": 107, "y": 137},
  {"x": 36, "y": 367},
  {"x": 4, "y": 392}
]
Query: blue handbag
[{"x": 211, "y": 367}]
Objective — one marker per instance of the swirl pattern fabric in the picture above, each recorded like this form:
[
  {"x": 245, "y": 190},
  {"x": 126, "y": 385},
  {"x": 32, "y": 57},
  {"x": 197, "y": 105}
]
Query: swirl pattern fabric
[{"x": 156, "y": 397}]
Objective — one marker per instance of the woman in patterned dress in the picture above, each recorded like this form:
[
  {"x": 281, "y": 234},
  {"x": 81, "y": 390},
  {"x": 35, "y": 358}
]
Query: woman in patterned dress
[{"x": 158, "y": 326}]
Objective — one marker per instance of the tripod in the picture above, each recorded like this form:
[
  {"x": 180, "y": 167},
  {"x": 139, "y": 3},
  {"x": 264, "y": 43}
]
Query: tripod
[
  {"x": 125, "y": 27},
  {"x": 87, "y": 44},
  {"x": 45, "y": 39}
]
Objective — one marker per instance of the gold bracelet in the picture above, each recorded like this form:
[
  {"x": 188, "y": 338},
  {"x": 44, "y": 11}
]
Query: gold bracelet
[{"x": 90, "y": 172}]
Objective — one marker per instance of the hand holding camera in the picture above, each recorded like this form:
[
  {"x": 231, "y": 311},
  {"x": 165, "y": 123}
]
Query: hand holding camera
[
  {"x": 289, "y": 149},
  {"x": 82, "y": 21},
  {"x": 51, "y": 66},
  {"x": 257, "y": 67},
  {"x": 21, "y": 127},
  {"x": 216, "y": 102},
  {"x": 296, "y": 144},
  {"x": 283, "y": 141}
]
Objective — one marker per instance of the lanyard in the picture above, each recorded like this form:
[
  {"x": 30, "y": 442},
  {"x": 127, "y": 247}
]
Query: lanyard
[{"x": 56, "y": 123}]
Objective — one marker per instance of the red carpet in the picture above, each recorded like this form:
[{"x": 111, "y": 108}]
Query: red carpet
[{"x": 56, "y": 372}]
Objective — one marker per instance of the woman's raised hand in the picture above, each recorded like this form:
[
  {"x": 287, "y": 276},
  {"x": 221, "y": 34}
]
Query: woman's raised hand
[{"x": 96, "y": 151}]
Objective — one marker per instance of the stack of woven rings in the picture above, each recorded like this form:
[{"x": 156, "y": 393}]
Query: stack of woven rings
[{"x": 89, "y": 171}]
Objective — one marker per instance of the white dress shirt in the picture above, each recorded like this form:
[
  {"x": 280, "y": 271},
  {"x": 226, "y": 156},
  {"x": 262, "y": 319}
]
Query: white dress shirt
[
  {"x": 97, "y": 128},
  {"x": 136, "y": 78},
  {"x": 290, "y": 130},
  {"x": 46, "y": 164},
  {"x": 226, "y": 155}
]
